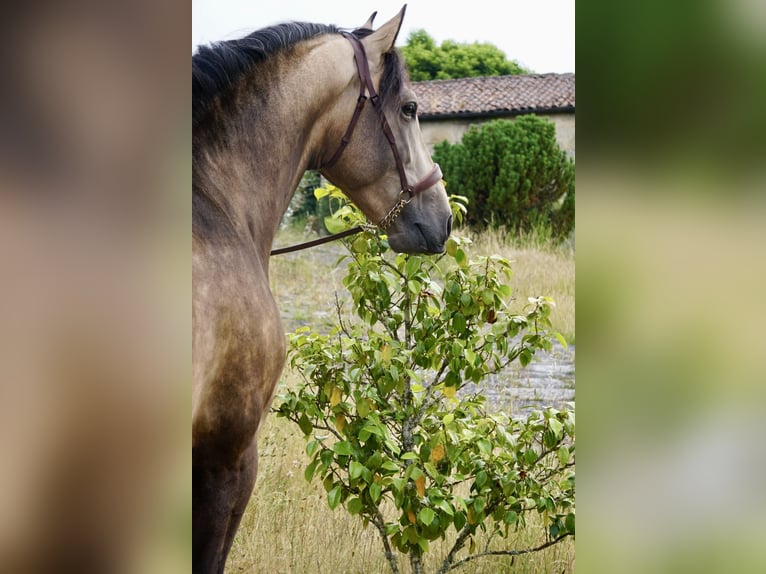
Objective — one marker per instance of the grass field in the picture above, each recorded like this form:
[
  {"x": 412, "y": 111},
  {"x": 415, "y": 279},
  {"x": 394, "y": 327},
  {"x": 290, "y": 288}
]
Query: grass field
[{"x": 288, "y": 527}]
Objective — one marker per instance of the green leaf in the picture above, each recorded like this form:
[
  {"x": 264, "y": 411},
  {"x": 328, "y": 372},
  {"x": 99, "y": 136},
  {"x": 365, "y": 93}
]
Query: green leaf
[
  {"x": 563, "y": 454},
  {"x": 484, "y": 446},
  {"x": 305, "y": 425},
  {"x": 445, "y": 506},
  {"x": 335, "y": 225},
  {"x": 359, "y": 245},
  {"x": 311, "y": 447},
  {"x": 459, "y": 520},
  {"x": 343, "y": 448},
  {"x": 333, "y": 497},
  {"x": 426, "y": 515},
  {"x": 375, "y": 492},
  {"x": 560, "y": 338},
  {"x": 308, "y": 474},
  {"x": 355, "y": 469},
  {"x": 556, "y": 427},
  {"x": 363, "y": 408},
  {"x": 423, "y": 543},
  {"x": 326, "y": 457},
  {"x": 412, "y": 266},
  {"x": 569, "y": 523},
  {"x": 459, "y": 323},
  {"x": 389, "y": 466},
  {"x": 354, "y": 505},
  {"x": 510, "y": 517}
]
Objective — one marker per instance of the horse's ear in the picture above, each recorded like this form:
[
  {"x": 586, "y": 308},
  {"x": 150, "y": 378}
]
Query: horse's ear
[
  {"x": 383, "y": 39},
  {"x": 368, "y": 25}
]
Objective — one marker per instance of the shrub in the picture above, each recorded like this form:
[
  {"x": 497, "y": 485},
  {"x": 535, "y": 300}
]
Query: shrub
[{"x": 514, "y": 175}]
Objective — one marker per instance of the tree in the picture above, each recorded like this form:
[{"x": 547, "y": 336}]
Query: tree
[
  {"x": 514, "y": 175},
  {"x": 390, "y": 430},
  {"x": 427, "y": 61}
]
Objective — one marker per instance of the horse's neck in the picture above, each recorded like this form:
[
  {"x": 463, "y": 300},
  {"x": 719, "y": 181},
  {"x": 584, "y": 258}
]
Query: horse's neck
[
  {"x": 252, "y": 187},
  {"x": 252, "y": 176}
]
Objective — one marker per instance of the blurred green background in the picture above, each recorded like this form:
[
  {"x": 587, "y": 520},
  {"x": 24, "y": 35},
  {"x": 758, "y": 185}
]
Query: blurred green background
[{"x": 670, "y": 286}]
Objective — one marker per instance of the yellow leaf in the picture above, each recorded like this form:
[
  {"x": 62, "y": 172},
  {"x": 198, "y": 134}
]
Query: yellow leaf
[
  {"x": 335, "y": 396},
  {"x": 420, "y": 485},
  {"x": 340, "y": 421},
  {"x": 437, "y": 453},
  {"x": 411, "y": 516},
  {"x": 385, "y": 354},
  {"x": 471, "y": 517},
  {"x": 449, "y": 392}
]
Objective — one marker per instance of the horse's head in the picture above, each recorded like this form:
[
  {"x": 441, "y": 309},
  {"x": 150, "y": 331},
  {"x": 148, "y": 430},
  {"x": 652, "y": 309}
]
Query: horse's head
[{"x": 383, "y": 165}]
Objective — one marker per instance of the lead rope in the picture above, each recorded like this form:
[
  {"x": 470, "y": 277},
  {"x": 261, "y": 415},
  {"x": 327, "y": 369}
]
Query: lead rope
[{"x": 322, "y": 240}]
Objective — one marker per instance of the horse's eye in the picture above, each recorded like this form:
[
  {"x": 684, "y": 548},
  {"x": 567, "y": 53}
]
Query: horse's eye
[{"x": 410, "y": 109}]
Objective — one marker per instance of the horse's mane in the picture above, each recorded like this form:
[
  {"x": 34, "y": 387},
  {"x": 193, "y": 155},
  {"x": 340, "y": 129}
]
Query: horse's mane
[{"x": 217, "y": 68}]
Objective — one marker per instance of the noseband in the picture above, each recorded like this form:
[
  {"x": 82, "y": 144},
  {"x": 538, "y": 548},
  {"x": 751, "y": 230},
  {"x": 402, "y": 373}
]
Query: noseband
[
  {"x": 408, "y": 192},
  {"x": 366, "y": 86}
]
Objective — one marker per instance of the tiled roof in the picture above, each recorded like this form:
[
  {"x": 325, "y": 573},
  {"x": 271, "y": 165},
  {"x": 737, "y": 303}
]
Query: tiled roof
[{"x": 496, "y": 95}]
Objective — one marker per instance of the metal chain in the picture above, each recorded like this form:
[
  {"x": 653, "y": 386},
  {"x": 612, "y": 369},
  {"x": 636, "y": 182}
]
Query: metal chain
[{"x": 391, "y": 216}]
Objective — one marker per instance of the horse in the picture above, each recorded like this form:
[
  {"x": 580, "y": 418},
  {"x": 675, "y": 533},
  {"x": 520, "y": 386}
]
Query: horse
[{"x": 266, "y": 108}]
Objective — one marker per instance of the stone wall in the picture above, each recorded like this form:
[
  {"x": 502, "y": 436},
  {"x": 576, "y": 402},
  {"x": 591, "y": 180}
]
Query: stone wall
[{"x": 452, "y": 130}]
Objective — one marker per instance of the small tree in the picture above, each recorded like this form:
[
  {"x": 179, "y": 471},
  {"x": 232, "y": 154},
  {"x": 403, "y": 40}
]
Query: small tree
[
  {"x": 388, "y": 429},
  {"x": 514, "y": 175}
]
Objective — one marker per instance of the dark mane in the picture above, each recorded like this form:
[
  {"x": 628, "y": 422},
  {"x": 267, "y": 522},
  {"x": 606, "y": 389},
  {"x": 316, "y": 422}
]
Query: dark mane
[{"x": 217, "y": 67}]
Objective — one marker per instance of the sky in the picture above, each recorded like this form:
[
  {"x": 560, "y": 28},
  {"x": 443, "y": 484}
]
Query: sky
[{"x": 539, "y": 34}]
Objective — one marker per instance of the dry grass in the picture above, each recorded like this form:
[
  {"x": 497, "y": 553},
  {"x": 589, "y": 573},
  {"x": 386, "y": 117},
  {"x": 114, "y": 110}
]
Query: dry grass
[{"x": 288, "y": 527}]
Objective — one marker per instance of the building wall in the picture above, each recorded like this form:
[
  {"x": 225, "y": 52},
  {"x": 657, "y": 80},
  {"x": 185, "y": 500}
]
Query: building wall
[{"x": 452, "y": 130}]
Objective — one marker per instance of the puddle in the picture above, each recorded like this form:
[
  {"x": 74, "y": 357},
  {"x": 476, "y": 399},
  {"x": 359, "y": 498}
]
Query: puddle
[{"x": 548, "y": 381}]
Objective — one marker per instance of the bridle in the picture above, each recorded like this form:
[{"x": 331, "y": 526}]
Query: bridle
[
  {"x": 408, "y": 192},
  {"x": 366, "y": 85}
]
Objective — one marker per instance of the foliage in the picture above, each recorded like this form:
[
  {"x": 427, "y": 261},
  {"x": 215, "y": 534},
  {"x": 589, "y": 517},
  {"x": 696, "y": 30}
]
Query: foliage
[
  {"x": 304, "y": 203},
  {"x": 514, "y": 175},
  {"x": 390, "y": 430},
  {"x": 427, "y": 61}
]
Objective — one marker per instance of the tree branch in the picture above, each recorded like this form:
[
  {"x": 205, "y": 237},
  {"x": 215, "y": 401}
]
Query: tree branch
[
  {"x": 379, "y": 523},
  {"x": 504, "y": 553}
]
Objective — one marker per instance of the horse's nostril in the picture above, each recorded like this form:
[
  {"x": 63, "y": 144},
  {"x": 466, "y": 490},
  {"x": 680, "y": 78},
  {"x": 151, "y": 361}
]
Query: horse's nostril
[{"x": 449, "y": 225}]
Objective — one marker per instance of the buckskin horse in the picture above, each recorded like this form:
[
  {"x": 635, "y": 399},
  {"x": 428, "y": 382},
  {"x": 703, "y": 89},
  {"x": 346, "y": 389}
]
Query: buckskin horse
[{"x": 265, "y": 108}]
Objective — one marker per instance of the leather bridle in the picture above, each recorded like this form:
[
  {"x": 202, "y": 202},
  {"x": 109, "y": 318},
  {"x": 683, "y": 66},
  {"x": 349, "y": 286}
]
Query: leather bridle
[{"x": 408, "y": 192}]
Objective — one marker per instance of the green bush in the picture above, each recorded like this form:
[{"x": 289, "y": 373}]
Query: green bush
[{"x": 514, "y": 175}]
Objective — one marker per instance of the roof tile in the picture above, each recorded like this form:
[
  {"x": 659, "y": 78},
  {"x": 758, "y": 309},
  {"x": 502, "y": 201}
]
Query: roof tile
[{"x": 496, "y": 94}]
